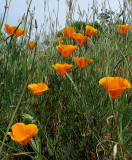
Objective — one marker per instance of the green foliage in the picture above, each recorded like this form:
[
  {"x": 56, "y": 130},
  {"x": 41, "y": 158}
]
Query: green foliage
[
  {"x": 106, "y": 15},
  {"x": 68, "y": 113},
  {"x": 79, "y": 26}
]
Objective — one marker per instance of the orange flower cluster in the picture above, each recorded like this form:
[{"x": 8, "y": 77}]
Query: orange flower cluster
[
  {"x": 66, "y": 50},
  {"x": 114, "y": 86},
  {"x": 59, "y": 40},
  {"x": 80, "y": 39},
  {"x": 10, "y": 30},
  {"x": 23, "y": 133},
  {"x": 107, "y": 137}
]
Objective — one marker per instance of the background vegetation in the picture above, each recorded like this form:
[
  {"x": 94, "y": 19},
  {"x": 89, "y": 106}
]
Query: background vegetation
[{"x": 72, "y": 115}]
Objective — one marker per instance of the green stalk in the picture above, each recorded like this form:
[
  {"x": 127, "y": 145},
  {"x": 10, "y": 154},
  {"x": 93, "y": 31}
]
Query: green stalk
[
  {"x": 26, "y": 70},
  {"x": 4, "y": 15},
  {"x": 12, "y": 118},
  {"x": 1, "y": 23},
  {"x": 35, "y": 150},
  {"x": 18, "y": 104},
  {"x": 26, "y": 18},
  {"x": 121, "y": 132},
  {"x": 118, "y": 133}
]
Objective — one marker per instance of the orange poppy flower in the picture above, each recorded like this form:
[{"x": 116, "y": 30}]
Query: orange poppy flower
[
  {"x": 123, "y": 28},
  {"x": 82, "y": 62},
  {"x": 68, "y": 31},
  {"x": 31, "y": 44},
  {"x": 10, "y": 30},
  {"x": 23, "y": 133},
  {"x": 90, "y": 30},
  {"x": 37, "y": 89},
  {"x": 66, "y": 50},
  {"x": 59, "y": 40},
  {"x": 116, "y": 85},
  {"x": 62, "y": 68},
  {"x": 80, "y": 39}
]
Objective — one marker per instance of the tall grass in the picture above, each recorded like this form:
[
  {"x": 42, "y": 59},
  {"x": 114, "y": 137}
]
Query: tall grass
[{"x": 75, "y": 116}]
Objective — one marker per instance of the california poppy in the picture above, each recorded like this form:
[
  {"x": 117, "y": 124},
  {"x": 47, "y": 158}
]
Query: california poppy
[
  {"x": 123, "y": 28},
  {"x": 66, "y": 50},
  {"x": 82, "y": 62},
  {"x": 80, "y": 39},
  {"x": 68, "y": 31},
  {"x": 23, "y": 133},
  {"x": 59, "y": 40},
  {"x": 37, "y": 89},
  {"x": 31, "y": 44},
  {"x": 116, "y": 85},
  {"x": 62, "y": 68},
  {"x": 90, "y": 30},
  {"x": 10, "y": 30}
]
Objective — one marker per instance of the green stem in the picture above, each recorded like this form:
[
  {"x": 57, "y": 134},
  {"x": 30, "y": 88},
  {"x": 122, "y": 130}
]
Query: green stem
[
  {"x": 18, "y": 104},
  {"x": 26, "y": 18},
  {"x": 4, "y": 15},
  {"x": 118, "y": 134},
  {"x": 121, "y": 132},
  {"x": 35, "y": 150},
  {"x": 9, "y": 126}
]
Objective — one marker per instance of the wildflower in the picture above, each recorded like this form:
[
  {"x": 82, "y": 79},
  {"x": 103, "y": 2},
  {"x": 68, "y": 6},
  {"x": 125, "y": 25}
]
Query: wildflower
[
  {"x": 116, "y": 85},
  {"x": 23, "y": 133},
  {"x": 90, "y": 30},
  {"x": 62, "y": 68},
  {"x": 59, "y": 40},
  {"x": 37, "y": 89},
  {"x": 10, "y": 30},
  {"x": 82, "y": 62},
  {"x": 102, "y": 21},
  {"x": 108, "y": 149},
  {"x": 31, "y": 44},
  {"x": 68, "y": 31},
  {"x": 11, "y": 106},
  {"x": 107, "y": 137},
  {"x": 80, "y": 39},
  {"x": 123, "y": 28},
  {"x": 66, "y": 50},
  {"x": 92, "y": 154}
]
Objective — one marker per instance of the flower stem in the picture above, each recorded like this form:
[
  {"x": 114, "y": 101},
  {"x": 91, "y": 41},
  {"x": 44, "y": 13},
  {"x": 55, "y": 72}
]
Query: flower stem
[
  {"x": 117, "y": 129},
  {"x": 18, "y": 104},
  {"x": 12, "y": 118},
  {"x": 121, "y": 132}
]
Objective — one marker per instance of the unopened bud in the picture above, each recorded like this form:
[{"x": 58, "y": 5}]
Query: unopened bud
[
  {"x": 36, "y": 25},
  {"x": 23, "y": 18},
  {"x": 6, "y": 7}
]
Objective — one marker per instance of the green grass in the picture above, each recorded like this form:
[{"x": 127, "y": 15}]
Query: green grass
[{"x": 67, "y": 117}]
